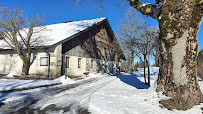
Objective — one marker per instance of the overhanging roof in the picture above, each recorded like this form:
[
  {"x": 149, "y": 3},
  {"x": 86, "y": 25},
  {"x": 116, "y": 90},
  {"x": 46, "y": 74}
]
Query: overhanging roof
[{"x": 56, "y": 34}]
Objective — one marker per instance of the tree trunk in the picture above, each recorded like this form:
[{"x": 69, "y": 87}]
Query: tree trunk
[
  {"x": 148, "y": 73},
  {"x": 132, "y": 62},
  {"x": 26, "y": 66},
  {"x": 157, "y": 59},
  {"x": 144, "y": 69},
  {"x": 178, "y": 51}
]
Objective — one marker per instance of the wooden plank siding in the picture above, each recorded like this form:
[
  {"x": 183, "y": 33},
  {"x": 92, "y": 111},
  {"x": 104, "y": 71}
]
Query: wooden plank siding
[{"x": 96, "y": 43}]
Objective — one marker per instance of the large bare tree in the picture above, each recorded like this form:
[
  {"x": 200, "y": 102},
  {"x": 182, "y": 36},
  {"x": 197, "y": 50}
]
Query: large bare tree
[
  {"x": 156, "y": 52},
  {"x": 17, "y": 31},
  {"x": 144, "y": 46},
  {"x": 130, "y": 28},
  {"x": 136, "y": 37}
]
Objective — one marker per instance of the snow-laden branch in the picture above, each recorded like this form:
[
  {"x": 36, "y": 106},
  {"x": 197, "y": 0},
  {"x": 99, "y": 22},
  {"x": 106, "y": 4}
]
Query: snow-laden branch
[{"x": 152, "y": 10}]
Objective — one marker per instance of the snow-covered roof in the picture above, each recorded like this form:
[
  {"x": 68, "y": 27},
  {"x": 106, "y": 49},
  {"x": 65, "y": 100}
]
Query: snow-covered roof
[{"x": 57, "y": 33}]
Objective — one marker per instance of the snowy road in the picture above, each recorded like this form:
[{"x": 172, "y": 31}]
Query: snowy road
[{"x": 71, "y": 97}]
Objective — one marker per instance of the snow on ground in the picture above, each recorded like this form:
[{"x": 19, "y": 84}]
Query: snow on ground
[
  {"x": 78, "y": 96},
  {"x": 10, "y": 84},
  {"x": 10, "y": 75},
  {"x": 118, "y": 93},
  {"x": 64, "y": 80},
  {"x": 129, "y": 95},
  {"x": 23, "y": 99}
]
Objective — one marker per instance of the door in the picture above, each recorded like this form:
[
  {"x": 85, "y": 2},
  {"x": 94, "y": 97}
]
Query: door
[
  {"x": 66, "y": 64},
  {"x": 63, "y": 65}
]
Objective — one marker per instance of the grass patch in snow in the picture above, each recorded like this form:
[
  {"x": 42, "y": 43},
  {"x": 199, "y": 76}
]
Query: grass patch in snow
[
  {"x": 161, "y": 106},
  {"x": 170, "y": 105}
]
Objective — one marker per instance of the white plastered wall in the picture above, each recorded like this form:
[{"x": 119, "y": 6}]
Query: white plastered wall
[
  {"x": 11, "y": 62},
  {"x": 56, "y": 61},
  {"x": 73, "y": 69},
  {"x": 35, "y": 67}
]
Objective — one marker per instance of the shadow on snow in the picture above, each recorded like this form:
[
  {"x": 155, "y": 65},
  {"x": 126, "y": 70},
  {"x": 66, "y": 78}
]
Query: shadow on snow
[
  {"x": 132, "y": 80},
  {"x": 2, "y": 95}
]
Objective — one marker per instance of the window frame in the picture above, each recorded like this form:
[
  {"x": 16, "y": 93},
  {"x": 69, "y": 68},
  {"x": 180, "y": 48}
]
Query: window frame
[
  {"x": 67, "y": 62},
  {"x": 46, "y": 59},
  {"x": 79, "y": 62},
  {"x": 92, "y": 63}
]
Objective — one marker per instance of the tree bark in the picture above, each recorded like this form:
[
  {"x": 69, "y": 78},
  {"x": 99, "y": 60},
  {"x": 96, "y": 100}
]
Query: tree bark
[
  {"x": 144, "y": 69},
  {"x": 148, "y": 73},
  {"x": 132, "y": 62},
  {"x": 26, "y": 66},
  {"x": 178, "y": 51},
  {"x": 156, "y": 56}
]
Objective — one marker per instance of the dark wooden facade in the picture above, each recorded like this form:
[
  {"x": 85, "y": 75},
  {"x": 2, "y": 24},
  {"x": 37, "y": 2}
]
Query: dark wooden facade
[{"x": 98, "y": 42}]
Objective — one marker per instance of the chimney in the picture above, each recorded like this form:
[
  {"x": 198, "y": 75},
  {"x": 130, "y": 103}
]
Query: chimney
[{"x": 68, "y": 21}]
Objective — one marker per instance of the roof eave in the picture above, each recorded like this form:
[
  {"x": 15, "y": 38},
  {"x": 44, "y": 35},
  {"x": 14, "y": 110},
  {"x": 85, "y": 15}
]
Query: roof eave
[{"x": 77, "y": 34}]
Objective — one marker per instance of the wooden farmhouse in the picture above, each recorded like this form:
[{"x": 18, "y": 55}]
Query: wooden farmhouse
[{"x": 71, "y": 48}]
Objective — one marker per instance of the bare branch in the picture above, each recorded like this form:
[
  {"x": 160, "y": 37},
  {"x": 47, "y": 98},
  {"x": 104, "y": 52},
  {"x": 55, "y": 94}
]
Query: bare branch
[
  {"x": 152, "y": 10},
  {"x": 18, "y": 31},
  {"x": 136, "y": 36}
]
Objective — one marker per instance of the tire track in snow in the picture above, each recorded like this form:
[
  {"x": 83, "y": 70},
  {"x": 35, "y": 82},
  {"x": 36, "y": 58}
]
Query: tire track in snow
[
  {"x": 76, "y": 98},
  {"x": 33, "y": 97},
  {"x": 84, "y": 102}
]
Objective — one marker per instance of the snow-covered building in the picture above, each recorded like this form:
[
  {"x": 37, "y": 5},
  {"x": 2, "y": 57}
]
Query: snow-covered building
[{"x": 70, "y": 48}]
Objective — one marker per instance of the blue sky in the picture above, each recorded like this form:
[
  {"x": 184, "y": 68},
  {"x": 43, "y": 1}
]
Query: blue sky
[{"x": 58, "y": 11}]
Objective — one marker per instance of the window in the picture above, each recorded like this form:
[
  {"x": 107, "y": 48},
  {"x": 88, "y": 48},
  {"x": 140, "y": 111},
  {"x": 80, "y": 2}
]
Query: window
[
  {"x": 94, "y": 47},
  {"x": 102, "y": 31},
  {"x": 79, "y": 62},
  {"x": 67, "y": 62},
  {"x": 91, "y": 63},
  {"x": 43, "y": 61}
]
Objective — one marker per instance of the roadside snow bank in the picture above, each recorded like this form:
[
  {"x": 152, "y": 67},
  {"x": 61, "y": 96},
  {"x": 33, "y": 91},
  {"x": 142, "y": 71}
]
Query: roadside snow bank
[
  {"x": 153, "y": 70},
  {"x": 64, "y": 80},
  {"x": 10, "y": 75},
  {"x": 92, "y": 75},
  {"x": 9, "y": 84}
]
